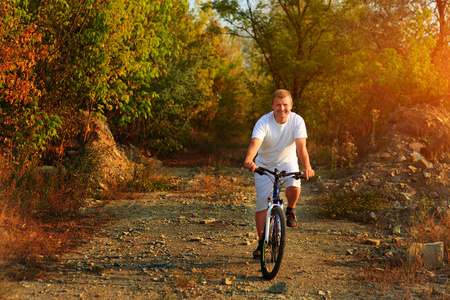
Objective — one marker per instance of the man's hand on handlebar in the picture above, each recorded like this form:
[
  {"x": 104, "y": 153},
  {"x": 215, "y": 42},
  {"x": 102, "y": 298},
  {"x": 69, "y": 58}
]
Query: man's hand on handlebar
[
  {"x": 308, "y": 173},
  {"x": 250, "y": 165}
]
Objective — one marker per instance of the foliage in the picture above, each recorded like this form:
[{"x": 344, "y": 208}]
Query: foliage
[
  {"x": 161, "y": 84},
  {"x": 233, "y": 106},
  {"x": 350, "y": 204},
  {"x": 343, "y": 153},
  {"x": 105, "y": 52},
  {"x": 188, "y": 97},
  {"x": 154, "y": 79},
  {"x": 289, "y": 35},
  {"x": 25, "y": 127},
  {"x": 342, "y": 60}
]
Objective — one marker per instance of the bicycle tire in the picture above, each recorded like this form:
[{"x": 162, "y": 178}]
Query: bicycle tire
[{"x": 272, "y": 253}]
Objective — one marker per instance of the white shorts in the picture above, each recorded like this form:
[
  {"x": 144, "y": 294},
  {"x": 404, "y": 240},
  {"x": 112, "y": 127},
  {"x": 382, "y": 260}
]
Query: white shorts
[{"x": 264, "y": 186}]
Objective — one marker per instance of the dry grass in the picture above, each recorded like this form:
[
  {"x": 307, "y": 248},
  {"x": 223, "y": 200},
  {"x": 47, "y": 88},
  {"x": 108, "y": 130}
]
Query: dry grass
[
  {"x": 39, "y": 219},
  {"x": 430, "y": 224},
  {"x": 218, "y": 184},
  {"x": 145, "y": 180},
  {"x": 27, "y": 245}
]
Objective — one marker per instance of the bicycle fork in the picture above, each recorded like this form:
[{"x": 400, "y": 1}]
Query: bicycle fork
[{"x": 272, "y": 203}]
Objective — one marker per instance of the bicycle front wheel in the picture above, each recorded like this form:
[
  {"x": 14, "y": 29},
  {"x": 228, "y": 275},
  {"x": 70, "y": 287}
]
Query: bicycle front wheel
[{"x": 273, "y": 250}]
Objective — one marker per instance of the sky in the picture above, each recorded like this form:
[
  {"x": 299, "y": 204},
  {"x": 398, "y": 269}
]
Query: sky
[{"x": 192, "y": 3}]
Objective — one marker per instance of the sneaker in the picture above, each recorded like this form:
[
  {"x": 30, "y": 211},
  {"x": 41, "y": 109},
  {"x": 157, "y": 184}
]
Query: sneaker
[
  {"x": 291, "y": 219},
  {"x": 257, "y": 252}
]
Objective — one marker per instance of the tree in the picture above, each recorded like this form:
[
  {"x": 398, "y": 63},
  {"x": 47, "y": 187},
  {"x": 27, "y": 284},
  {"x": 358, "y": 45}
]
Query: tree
[
  {"x": 292, "y": 37},
  {"x": 189, "y": 99},
  {"x": 25, "y": 126},
  {"x": 342, "y": 59}
]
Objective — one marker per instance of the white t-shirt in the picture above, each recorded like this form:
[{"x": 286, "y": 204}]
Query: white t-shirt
[{"x": 278, "y": 140}]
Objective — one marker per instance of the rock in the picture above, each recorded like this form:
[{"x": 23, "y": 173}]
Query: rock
[
  {"x": 416, "y": 146},
  {"x": 397, "y": 230},
  {"x": 397, "y": 240},
  {"x": 47, "y": 170},
  {"x": 400, "y": 158},
  {"x": 113, "y": 165},
  {"x": 442, "y": 280},
  {"x": 413, "y": 169},
  {"x": 356, "y": 188},
  {"x": 405, "y": 196},
  {"x": 422, "y": 164},
  {"x": 147, "y": 161},
  {"x": 375, "y": 182},
  {"x": 370, "y": 216},
  {"x": 414, "y": 252},
  {"x": 278, "y": 288},
  {"x": 416, "y": 156},
  {"x": 351, "y": 251},
  {"x": 396, "y": 179},
  {"x": 430, "y": 254},
  {"x": 385, "y": 155},
  {"x": 226, "y": 281},
  {"x": 324, "y": 293},
  {"x": 196, "y": 239},
  {"x": 375, "y": 242},
  {"x": 208, "y": 221},
  {"x": 433, "y": 256}
]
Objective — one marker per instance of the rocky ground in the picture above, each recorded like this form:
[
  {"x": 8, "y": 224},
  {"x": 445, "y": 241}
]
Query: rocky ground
[
  {"x": 190, "y": 245},
  {"x": 196, "y": 243}
]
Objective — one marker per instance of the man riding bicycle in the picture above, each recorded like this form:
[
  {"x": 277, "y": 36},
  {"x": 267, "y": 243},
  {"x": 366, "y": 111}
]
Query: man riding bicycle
[{"x": 278, "y": 137}]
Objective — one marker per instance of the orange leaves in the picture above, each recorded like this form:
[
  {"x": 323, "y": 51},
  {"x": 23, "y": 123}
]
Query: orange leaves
[{"x": 20, "y": 49}]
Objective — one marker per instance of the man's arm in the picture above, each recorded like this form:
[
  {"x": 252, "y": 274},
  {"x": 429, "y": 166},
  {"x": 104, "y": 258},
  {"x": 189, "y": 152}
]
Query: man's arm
[
  {"x": 302, "y": 153},
  {"x": 251, "y": 153}
]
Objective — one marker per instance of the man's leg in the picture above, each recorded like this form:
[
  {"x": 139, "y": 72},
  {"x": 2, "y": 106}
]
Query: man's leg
[
  {"x": 260, "y": 220},
  {"x": 292, "y": 194}
]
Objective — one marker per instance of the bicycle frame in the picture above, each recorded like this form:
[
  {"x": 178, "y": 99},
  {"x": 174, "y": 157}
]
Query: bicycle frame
[{"x": 274, "y": 201}]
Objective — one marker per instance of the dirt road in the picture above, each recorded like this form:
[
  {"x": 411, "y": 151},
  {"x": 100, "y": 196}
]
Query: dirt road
[{"x": 193, "y": 245}]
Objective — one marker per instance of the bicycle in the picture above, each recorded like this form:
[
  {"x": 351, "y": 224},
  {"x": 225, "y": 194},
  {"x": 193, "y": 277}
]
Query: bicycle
[{"x": 275, "y": 229}]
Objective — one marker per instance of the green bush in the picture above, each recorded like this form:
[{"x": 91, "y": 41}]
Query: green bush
[{"x": 350, "y": 204}]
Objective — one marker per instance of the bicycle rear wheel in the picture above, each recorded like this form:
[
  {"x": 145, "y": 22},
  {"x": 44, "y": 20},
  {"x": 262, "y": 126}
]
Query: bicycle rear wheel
[{"x": 272, "y": 252}]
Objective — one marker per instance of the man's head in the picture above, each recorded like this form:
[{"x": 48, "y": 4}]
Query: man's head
[
  {"x": 281, "y": 105},
  {"x": 281, "y": 94}
]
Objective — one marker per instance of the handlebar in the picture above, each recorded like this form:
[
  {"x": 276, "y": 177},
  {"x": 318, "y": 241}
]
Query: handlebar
[{"x": 280, "y": 174}]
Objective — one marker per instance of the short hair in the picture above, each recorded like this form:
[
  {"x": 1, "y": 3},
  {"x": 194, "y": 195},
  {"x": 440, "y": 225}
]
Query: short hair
[{"x": 281, "y": 93}]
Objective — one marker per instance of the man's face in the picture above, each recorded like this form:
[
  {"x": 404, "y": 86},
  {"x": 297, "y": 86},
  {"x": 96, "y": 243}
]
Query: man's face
[{"x": 281, "y": 108}]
